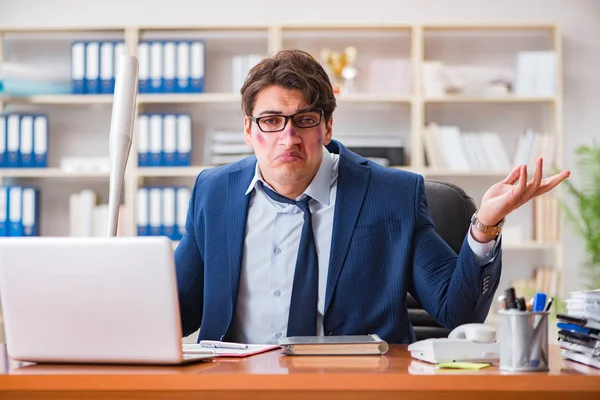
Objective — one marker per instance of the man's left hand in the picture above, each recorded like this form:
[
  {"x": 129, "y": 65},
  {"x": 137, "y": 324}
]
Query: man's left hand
[{"x": 506, "y": 196}]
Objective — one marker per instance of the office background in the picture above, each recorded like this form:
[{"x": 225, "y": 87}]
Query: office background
[{"x": 577, "y": 20}]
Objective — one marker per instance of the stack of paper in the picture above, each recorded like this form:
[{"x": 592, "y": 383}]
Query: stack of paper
[
  {"x": 579, "y": 328},
  {"x": 226, "y": 147}
]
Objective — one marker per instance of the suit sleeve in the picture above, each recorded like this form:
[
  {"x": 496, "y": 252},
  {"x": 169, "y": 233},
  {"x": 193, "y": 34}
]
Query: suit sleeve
[
  {"x": 453, "y": 289},
  {"x": 189, "y": 267}
]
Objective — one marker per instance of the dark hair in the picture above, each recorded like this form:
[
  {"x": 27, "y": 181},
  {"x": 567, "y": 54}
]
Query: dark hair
[{"x": 291, "y": 69}]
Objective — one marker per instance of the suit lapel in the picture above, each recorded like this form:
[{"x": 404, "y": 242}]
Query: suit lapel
[
  {"x": 237, "y": 214},
  {"x": 353, "y": 179}
]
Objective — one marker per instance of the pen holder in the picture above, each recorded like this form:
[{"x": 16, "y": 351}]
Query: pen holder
[{"x": 523, "y": 340}]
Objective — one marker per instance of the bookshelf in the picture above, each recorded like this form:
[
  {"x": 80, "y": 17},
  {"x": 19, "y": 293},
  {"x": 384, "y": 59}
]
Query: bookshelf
[{"x": 82, "y": 121}]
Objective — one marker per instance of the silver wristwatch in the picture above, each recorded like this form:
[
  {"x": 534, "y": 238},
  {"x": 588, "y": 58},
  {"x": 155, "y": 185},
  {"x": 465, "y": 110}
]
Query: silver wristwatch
[{"x": 492, "y": 230}]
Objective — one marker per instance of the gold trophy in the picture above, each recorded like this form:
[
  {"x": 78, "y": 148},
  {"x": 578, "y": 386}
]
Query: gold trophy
[{"x": 342, "y": 68}]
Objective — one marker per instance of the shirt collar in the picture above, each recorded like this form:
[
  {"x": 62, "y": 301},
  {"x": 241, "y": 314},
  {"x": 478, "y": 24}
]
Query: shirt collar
[{"x": 319, "y": 186}]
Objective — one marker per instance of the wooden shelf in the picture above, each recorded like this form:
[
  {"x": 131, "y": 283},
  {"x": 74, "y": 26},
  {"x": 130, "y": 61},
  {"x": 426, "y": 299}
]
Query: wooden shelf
[{"x": 48, "y": 173}]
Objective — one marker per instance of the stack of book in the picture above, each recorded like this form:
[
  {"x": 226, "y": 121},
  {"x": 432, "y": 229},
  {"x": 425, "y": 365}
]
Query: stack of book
[{"x": 579, "y": 328}]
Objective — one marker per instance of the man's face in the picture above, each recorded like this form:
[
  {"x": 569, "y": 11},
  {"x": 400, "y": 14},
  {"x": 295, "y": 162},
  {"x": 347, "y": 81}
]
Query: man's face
[{"x": 292, "y": 155}]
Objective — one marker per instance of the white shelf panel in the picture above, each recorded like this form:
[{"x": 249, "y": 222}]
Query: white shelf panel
[
  {"x": 481, "y": 173},
  {"x": 148, "y": 172},
  {"x": 532, "y": 245},
  {"x": 374, "y": 98},
  {"x": 489, "y": 99},
  {"x": 182, "y": 98},
  {"x": 48, "y": 173},
  {"x": 70, "y": 99}
]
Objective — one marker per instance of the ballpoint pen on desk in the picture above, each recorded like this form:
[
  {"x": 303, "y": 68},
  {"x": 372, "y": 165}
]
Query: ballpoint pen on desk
[{"x": 215, "y": 344}]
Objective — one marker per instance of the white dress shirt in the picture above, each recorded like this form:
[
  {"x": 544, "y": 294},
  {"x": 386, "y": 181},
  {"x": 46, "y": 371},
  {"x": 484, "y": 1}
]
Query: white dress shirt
[{"x": 273, "y": 231}]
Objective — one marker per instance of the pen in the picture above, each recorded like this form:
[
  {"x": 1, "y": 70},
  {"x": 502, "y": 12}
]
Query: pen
[
  {"x": 521, "y": 304},
  {"x": 549, "y": 304},
  {"x": 539, "y": 303},
  {"x": 222, "y": 345},
  {"x": 509, "y": 299}
]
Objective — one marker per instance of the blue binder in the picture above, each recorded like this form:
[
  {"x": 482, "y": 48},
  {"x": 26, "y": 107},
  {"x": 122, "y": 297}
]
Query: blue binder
[
  {"x": 169, "y": 140},
  {"x": 13, "y": 132},
  {"x": 169, "y": 66},
  {"x": 4, "y": 211},
  {"x": 92, "y": 68},
  {"x": 155, "y": 210},
  {"x": 78, "y": 67},
  {"x": 144, "y": 67},
  {"x": 142, "y": 212},
  {"x": 184, "y": 140},
  {"x": 29, "y": 211},
  {"x": 107, "y": 67},
  {"x": 143, "y": 133},
  {"x": 197, "y": 67},
  {"x": 156, "y": 67},
  {"x": 3, "y": 133},
  {"x": 15, "y": 211},
  {"x": 183, "y": 80},
  {"x": 155, "y": 142},
  {"x": 40, "y": 141},
  {"x": 26, "y": 141},
  {"x": 168, "y": 212}
]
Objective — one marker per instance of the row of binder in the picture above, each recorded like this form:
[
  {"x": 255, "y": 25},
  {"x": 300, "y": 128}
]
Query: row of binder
[
  {"x": 171, "y": 66},
  {"x": 19, "y": 211},
  {"x": 23, "y": 141},
  {"x": 162, "y": 211},
  {"x": 164, "y": 140},
  {"x": 94, "y": 66}
]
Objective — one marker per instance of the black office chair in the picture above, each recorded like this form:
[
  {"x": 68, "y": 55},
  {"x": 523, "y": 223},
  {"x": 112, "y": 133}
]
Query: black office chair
[{"x": 451, "y": 209}]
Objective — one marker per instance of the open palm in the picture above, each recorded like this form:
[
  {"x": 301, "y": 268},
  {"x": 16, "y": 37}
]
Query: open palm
[{"x": 506, "y": 196}]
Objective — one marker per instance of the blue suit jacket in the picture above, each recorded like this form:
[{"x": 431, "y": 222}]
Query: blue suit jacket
[{"x": 383, "y": 246}]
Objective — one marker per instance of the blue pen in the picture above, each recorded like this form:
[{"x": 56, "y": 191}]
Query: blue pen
[{"x": 539, "y": 305}]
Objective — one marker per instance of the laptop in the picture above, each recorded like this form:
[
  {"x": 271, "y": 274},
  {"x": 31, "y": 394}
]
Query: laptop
[{"x": 94, "y": 300}]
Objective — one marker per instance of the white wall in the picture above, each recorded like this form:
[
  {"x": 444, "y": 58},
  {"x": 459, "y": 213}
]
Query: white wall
[{"x": 579, "y": 20}]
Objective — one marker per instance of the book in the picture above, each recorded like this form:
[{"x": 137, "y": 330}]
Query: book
[
  {"x": 334, "y": 345},
  {"x": 581, "y": 358}
]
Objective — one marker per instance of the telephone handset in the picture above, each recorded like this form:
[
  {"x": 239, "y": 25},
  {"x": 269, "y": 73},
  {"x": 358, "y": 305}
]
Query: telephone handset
[
  {"x": 468, "y": 342},
  {"x": 480, "y": 333}
]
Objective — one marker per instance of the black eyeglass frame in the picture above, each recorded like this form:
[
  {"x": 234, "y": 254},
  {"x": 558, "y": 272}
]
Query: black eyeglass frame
[{"x": 286, "y": 119}]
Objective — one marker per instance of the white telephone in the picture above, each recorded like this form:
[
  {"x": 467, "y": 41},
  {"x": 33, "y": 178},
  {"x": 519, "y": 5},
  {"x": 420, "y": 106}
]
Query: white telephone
[{"x": 469, "y": 342}]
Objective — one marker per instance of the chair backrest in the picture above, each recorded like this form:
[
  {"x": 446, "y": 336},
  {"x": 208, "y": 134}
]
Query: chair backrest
[{"x": 451, "y": 209}]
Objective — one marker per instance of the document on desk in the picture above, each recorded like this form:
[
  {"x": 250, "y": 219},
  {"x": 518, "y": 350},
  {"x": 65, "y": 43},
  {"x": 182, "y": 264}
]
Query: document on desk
[{"x": 227, "y": 349}]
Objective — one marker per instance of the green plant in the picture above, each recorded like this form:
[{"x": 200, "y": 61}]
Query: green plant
[{"x": 586, "y": 218}]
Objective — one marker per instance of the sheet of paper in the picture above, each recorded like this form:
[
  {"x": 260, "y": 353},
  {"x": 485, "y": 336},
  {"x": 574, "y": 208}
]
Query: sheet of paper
[{"x": 251, "y": 350}]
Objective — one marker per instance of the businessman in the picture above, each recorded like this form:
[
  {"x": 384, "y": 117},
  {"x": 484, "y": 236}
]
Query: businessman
[{"x": 307, "y": 238}]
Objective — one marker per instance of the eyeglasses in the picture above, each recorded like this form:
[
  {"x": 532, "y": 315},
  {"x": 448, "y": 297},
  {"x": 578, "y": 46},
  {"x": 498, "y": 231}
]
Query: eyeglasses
[{"x": 277, "y": 123}]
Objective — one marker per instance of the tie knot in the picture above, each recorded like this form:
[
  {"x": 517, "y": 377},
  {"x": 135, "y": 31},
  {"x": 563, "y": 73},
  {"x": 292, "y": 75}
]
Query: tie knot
[{"x": 301, "y": 204}]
